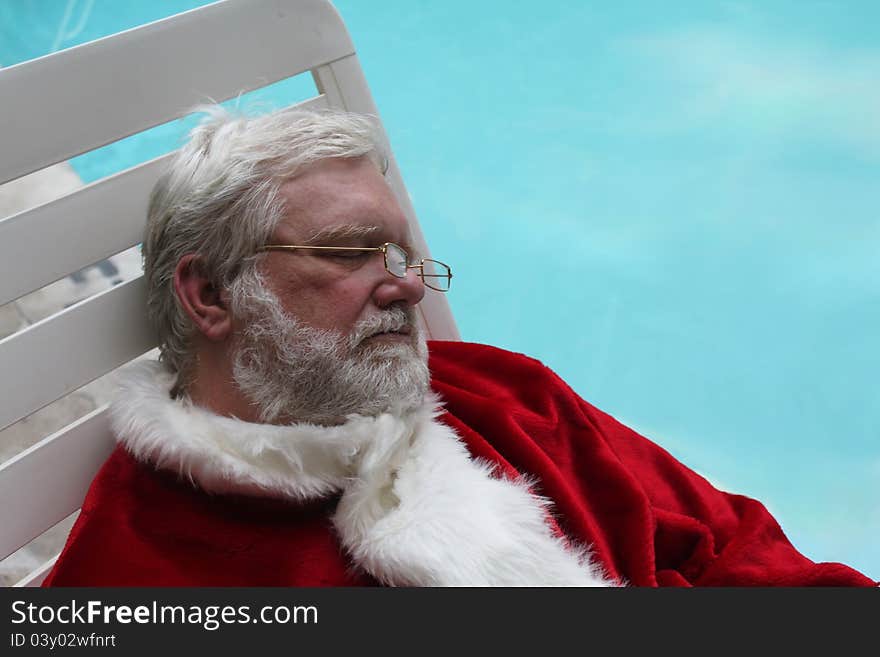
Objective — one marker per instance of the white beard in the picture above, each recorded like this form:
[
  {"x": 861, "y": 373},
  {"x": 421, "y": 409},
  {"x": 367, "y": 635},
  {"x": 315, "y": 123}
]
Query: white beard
[{"x": 291, "y": 371}]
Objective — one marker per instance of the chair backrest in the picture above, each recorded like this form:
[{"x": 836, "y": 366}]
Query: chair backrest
[{"x": 76, "y": 100}]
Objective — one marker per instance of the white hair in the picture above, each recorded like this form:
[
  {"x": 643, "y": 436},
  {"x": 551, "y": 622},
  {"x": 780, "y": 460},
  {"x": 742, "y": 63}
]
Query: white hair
[{"x": 219, "y": 199}]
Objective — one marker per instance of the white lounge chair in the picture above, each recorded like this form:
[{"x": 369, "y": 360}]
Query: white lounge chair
[{"x": 74, "y": 101}]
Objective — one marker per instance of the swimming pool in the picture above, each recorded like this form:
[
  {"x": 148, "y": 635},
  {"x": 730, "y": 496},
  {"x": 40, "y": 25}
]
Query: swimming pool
[{"x": 675, "y": 211}]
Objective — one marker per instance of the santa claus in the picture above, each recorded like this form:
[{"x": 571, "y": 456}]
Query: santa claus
[{"x": 299, "y": 429}]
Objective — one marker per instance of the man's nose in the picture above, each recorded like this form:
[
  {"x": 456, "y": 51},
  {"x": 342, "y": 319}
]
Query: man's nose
[{"x": 408, "y": 290}]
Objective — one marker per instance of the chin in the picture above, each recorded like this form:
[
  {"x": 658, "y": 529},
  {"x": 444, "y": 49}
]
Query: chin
[{"x": 393, "y": 349}]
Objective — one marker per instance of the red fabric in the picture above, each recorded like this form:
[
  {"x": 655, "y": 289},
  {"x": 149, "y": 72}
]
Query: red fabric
[{"x": 650, "y": 520}]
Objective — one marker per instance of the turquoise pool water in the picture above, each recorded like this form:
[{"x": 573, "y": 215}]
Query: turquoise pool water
[{"x": 674, "y": 208}]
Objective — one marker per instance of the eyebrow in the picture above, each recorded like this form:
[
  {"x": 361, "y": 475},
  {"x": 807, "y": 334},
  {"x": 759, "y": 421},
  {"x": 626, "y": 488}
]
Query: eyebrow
[{"x": 341, "y": 232}]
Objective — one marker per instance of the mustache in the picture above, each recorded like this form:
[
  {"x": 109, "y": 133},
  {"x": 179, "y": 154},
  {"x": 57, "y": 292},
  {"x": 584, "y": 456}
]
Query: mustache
[{"x": 395, "y": 319}]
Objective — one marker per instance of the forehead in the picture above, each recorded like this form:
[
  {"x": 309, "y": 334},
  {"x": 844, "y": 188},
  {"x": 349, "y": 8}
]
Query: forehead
[{"x": 340, "y": 195}]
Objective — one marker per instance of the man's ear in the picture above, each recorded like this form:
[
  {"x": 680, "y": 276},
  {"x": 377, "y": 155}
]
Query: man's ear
[{"x": 205, "y": 304}]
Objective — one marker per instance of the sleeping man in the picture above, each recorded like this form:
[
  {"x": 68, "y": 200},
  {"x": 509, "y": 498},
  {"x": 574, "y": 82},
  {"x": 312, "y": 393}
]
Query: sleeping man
[{"x": 300, "y": 431}]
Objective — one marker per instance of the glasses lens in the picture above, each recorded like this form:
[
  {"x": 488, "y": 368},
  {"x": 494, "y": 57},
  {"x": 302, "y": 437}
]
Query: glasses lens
[
  {"x": 436, "y": 275},
  {"x": 395, "y": 260}
]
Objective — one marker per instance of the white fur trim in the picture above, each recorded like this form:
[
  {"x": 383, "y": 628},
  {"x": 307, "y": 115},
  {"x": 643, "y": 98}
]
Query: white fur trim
[{"x": 415, "y": 509}]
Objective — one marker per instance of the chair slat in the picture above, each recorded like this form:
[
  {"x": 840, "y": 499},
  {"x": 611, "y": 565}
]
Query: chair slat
[
  {"x": 79, "y": 99},
  {"x": 49, "y": 242},
  {"x": 64, "y": 352},
  {"x": 41, "y": 245},
  {"x": 37, "y": 575},
  {"x": 46, "y": 483}
]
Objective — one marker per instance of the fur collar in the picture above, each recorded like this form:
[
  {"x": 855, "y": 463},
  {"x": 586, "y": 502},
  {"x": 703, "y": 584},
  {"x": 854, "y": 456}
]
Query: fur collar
[{"x": 415, "y": 509}]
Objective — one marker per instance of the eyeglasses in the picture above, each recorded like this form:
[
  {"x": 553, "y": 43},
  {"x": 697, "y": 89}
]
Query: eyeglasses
[{"x": 434, "y": 274}]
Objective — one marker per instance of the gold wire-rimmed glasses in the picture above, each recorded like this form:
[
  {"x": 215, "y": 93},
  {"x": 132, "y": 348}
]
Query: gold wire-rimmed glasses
[{"x": 434, "y": 274}]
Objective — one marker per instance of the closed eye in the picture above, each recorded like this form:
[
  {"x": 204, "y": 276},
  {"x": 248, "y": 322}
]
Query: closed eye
[{"x": 346, "y": 254}]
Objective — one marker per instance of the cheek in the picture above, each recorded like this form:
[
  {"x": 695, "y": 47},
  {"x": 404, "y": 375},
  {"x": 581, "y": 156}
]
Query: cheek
[
  {"x": 321, "y": 299},
  {"x": 338, "y": 307},
  {"x": 347, "y": 304}
]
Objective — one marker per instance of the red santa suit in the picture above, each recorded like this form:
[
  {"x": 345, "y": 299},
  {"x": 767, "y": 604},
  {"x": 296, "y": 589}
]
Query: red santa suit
[{"x": 505, "y": 477}]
